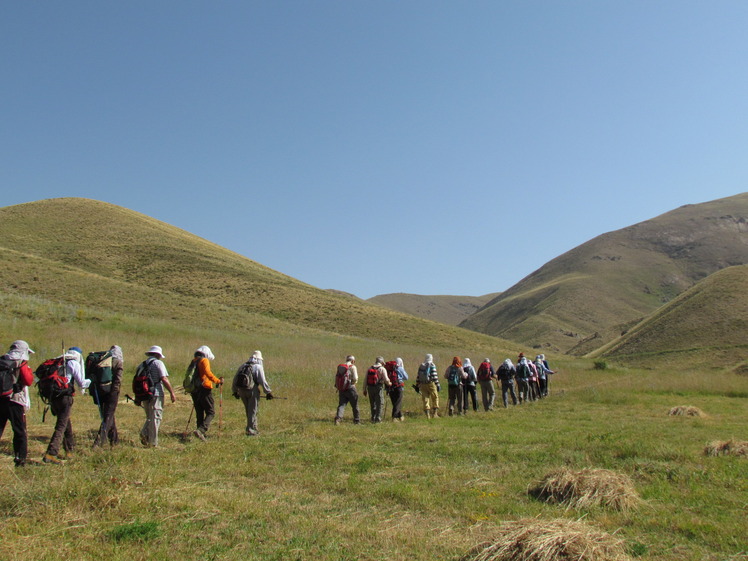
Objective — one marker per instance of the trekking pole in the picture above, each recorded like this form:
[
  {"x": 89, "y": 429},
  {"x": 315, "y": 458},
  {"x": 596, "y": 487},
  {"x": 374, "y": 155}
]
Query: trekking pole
[
  {"x": 189, "y": 420},
  {"x": 220, "y": 410}
]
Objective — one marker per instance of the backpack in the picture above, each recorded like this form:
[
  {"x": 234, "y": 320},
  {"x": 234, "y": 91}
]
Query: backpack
[
  {"x": 244, "y": 378},
  {"x": 99, "y": 370},
  {"x": 8, "y": 375},
  {"x": 342, "y": 377},
  {"x": 53, "y": 381},
  {"x": 424, "y": 373},
  {"x": 471, "y": 377},
  {"x": 523, "y": 371},
  {"x": 484, "y": 371},
  {"x": 454, "y": 377},
  {"x": 372, "y": 376},
  {"x": 391, "y": 367},
  {"x": 191, "y": 378},
  {"x": 142, "y": 383}
]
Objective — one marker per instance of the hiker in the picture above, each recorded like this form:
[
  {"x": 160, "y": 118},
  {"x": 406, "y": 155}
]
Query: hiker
[
  {"x": 468, "y": 388},
  {"x": 62, "y": 405},
  {"x": 523, "y": 375},
  {"x": 398, "y": 376},
  {"x": 202, "y": 396},
  {"x": 544, "y": 374},
  {"x": 376, "y": 381},
  {"x": 506, "y": 375},
  {"x": 346, "y": 378},
  {"x": 107, "y": 394},
  {"x": 428, "y": 387},
  {"x": 455, "y": 376},
  {"x": 534, "y": 382},
  {"x": 16, "y": 378},
  {"x": 248, "y": 380},
  {"x": 153, "y": 367},
  {"x": 486, "y": 375}
]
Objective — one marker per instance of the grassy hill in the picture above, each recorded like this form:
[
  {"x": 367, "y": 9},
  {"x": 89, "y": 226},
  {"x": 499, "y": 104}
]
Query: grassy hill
[
  {"x": 706, "y": 325},
  {"x": 599, "y": 288},
  {"x": 451, "y": 310},
  {"x": 100, "y": 256}
]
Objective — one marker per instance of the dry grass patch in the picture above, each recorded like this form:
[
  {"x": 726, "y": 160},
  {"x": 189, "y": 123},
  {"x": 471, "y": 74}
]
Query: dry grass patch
[
  {"x": 727, "y": 448},
  {"x": 686, "y": 411},
  {"x": 549, "y": 540},
  {"x": 587, "y": 488}
]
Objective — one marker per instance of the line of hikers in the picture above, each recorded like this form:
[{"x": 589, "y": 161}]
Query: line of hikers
[
  {"x": 387, "y": 378},
  {"x": 101, "y": 373}
]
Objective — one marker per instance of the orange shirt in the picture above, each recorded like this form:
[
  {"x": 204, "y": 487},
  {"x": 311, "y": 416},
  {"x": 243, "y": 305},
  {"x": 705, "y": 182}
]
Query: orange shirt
[{"x": 207, "y": 378}]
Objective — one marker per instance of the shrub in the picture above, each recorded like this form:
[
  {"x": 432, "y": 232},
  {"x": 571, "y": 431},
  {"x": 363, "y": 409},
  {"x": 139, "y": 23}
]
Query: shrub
[{"x": 600, "y": 365}]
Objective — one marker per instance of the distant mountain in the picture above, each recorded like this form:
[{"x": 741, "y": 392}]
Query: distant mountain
[
  {"x": 451, "y": 310},
  {"x": 604, "y": 286},
  {"x": 706, "y": 324},
  {"x": 100, "y": 256}
]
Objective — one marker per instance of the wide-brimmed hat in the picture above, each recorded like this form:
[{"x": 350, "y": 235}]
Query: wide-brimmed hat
[{"x": 155, "y": 350}]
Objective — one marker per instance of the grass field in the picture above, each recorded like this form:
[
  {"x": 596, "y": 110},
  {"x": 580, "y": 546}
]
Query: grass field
[{"x": 424, "y": 489}]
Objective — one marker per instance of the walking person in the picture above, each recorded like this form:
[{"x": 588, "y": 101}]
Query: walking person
[
  {"x": 486, "y": 375},
  {"x": 155, "y": 369},
  {"x": 523, "y": 375},
  {"x": 506, "y": 374},
  {"x": 346, "y": 377},
  {"x": 62, "y": 406},
  {"x": 202, "y": 396},
  {"x": 248, "y": 381},
  {"x": 398, "y": 376},
  {"x": 428, "y": 387},
  {"x": 468, "y": 389},
  {"x": 376, "y": 382},
  {"x": 16, "y": 378},
  {"x": 455, "y": 376},
  {"x": 107, "y": 394},
  {"x": 545, "y": 373}
]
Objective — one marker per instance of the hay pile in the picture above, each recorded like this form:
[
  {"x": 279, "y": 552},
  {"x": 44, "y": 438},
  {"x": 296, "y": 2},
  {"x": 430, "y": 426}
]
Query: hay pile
[
  {"x": 687, "y": 411},
  {"x": 549, "y": 540},
  {"x": 587, "y": 488},
  {"x": 727, "y": 448}
]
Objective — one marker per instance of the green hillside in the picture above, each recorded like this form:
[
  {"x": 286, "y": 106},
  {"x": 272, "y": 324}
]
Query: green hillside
[
  {"x": 600, "y": 287},
  {"x": 103, "y": 257},
  {"x": 451, "y": 310},
  {"x": 707, "y": 326}
]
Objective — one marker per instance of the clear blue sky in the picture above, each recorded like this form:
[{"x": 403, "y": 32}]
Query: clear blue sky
[{"x": 379, "y": 146}]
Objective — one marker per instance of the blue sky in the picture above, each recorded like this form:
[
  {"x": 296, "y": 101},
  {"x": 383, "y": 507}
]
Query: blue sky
[{"x": 379, "y": 146}]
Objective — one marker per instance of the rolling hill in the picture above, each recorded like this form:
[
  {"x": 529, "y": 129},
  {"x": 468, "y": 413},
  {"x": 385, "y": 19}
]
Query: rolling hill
[
  {"x": 707, "y": 326},
  {"x": 604, "y": 286},
  {"x": 100, "y": 256},
  {"x": 451, "y": 310}
]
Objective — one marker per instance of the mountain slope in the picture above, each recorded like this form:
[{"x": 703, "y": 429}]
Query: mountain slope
[
  {"x": 98, "y": 255},
  {"x": 619, "y": 277},
  {"x": 707, "y": 322},
  {"x": 451, "y": 310}
]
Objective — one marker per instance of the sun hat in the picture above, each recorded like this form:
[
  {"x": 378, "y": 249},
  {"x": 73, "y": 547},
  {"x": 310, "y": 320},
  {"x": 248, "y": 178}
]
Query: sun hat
[{"x": 155, "y": 350}]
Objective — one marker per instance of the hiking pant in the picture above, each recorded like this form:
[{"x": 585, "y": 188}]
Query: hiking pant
[
  {"x": 472, "y": 393},
  {"x": 523, "y": 389},
  {"x": 16, "y": 414},
  {"x": 456, "y": 400},
  {"x": 154, "y": 410},
  {"x": 534, "y": 390},
  {"x": 396, "y": 397},
  {"x": 488, "y": 393},
  {"x": 348, "y": 396},
  {"x": 205, "y": 408},
  {"x": 507, "y": 386},
  {"x": 61, "y": 407},
  {"x": 108, "y": 430},
  {"x": 251, "y": 401},
  {"x": 429, "y": 396},
  {"x": 376, "y": 401},
  {"x": 543, "y": 387}
]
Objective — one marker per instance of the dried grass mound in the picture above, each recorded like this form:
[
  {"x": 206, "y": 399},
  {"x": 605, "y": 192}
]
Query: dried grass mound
[
  {"x": 687, "y": 411},
  {"x": 549, "y": 540},
  {"x": 727, "y": 448},
  {"x": 587, "y": 488}
]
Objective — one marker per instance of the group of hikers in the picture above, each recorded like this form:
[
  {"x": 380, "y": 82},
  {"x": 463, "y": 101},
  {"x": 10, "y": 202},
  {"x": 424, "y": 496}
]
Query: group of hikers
[
  {"x": 101, "y": 373},
  {"x": 388, "y": 378}
]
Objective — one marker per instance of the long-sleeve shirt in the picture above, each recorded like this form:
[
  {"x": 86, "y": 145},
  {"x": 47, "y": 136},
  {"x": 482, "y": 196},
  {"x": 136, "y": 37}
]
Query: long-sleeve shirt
[
  {"x": 207, "y": 378},
  {"x": 25, "y": 379},
  {"x": 258, "y": 373},
  {"x": 74, "y": 371}
]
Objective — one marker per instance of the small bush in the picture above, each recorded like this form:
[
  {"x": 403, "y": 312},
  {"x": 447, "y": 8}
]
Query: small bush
[{"x": 600, "y": 365}]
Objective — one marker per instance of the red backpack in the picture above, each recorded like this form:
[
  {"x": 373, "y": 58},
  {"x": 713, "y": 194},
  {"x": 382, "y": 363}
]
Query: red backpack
[
  {"x": 372, "y": 376},
  {"x": 391, "y": 367},
  {"x": 343, "y": 377},
  {"x": 53, "y": 381},
  {"x": 484, "y": 371}
]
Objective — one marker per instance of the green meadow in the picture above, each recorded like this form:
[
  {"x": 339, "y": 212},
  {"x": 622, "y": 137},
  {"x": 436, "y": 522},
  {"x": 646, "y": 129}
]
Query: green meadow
[{"x": 308, "y": 490}]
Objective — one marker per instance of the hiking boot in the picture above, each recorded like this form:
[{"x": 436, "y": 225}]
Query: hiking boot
[
  {"x": 50, "y": 459},
  {"x": 337, "y": 420},
  {"x": 198, "y": 433},
  {"x": 435, "y": 413},
  {"x": 143, "y": 440}
]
